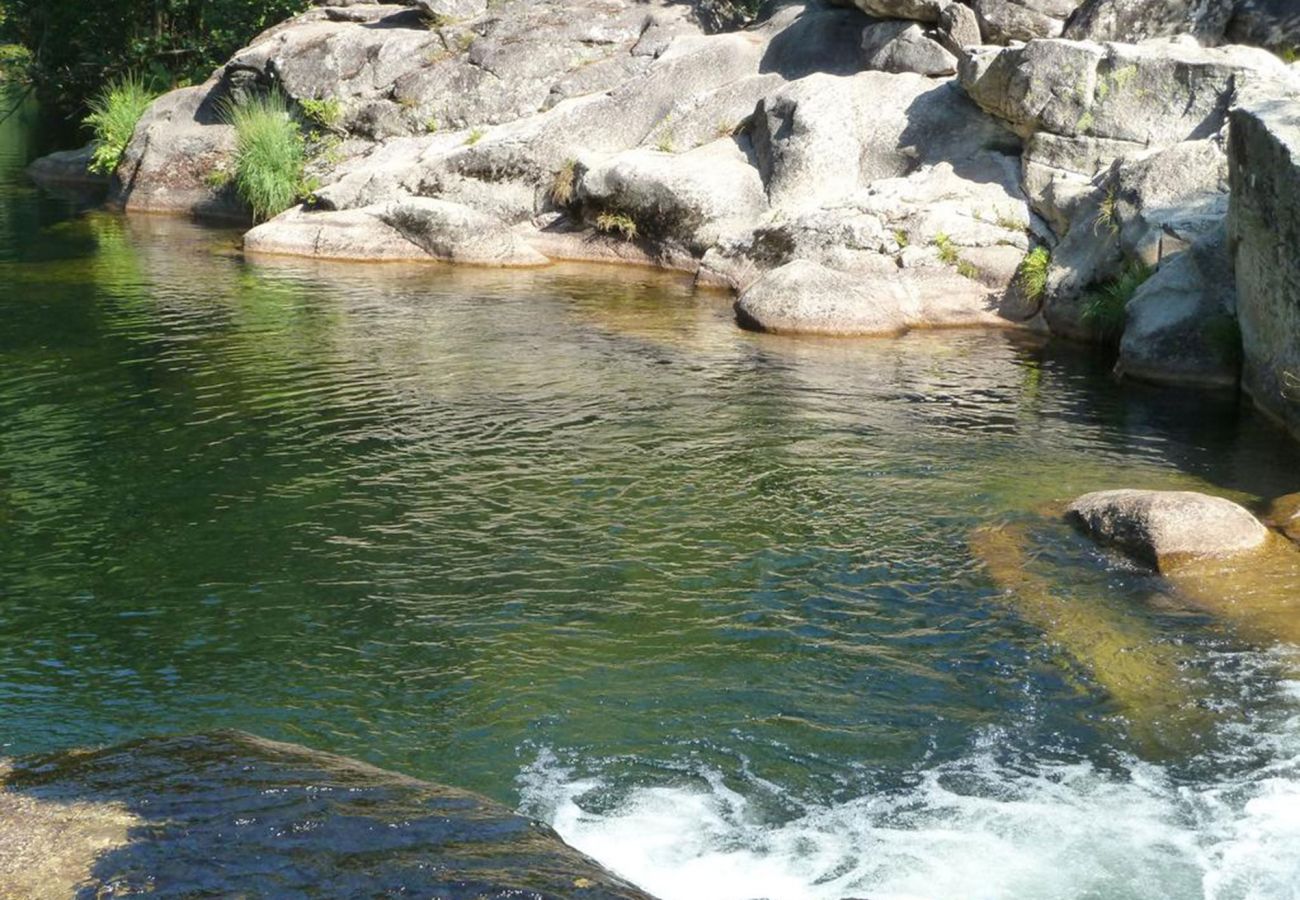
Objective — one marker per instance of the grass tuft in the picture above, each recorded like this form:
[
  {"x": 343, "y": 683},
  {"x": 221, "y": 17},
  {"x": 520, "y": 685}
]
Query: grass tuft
[
  {"x": 474, "y": 137},
  {"x": 617, "y": 223},
  {"x": 1032, "y": 275},
  {"x": 270, "y": 154},
  {"x": 1104, "y": 306},
  {"x": 326, "y": 114},
  {"x": 1108, "y": 213},
  {"x": 947, "y": 251},
  {"x": 114, "y": 113},
  {"x": 562, "y": 185}
]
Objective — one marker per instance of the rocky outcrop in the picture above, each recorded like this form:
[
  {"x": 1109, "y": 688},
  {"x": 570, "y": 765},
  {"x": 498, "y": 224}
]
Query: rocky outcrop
[
  {"x": 1264, "y": 228},
  {"x": 172, "y": 817},
  {"x": 1167, "y": 528},
  {"x": 1273, "y": 24},
  {"x": 1181, "y": 325},
  {"x": 1003, "y": 21}
]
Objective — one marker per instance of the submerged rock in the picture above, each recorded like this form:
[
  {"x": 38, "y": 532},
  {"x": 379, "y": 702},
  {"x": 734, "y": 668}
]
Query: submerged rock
[
  {"x": 67, "y": 168},
  {"x": 228, "y": 813},
  {"x": 1167, "y": 528}
]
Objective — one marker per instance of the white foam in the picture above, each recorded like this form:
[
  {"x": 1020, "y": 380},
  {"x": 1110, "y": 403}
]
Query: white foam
[{"x": 972, "y": 829}]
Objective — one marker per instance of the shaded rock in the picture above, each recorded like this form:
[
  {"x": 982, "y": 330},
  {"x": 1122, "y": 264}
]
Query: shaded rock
[
  {"x": 67, "y": 168},
  {"x": 916, "y": 10},
  {"x": 1003, "y": 21},
  {"x": 1181, "y": 325},
  {"x": 803, "y": 297},
  {"x": 1264, "y": 232},
  {"x": 1284, "y": 515},
  {"x": 1274, "y": 24},
  {"x": 904, "y": 47},
  {"x": 1138, "y": 20},
  {"x": 1166, "y": 528},
  {"x": 231, "y": 813}
]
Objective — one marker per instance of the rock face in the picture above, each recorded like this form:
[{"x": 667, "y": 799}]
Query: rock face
[
  {"x": 68, "y": 167},
  {"x": 174, "y": 817},
  {"x": 902, "y": 47},
  {"x": 1166, "y": 528},
  {"x": 1264, "y": 229},
  {"x": 1274, "y": 24}
]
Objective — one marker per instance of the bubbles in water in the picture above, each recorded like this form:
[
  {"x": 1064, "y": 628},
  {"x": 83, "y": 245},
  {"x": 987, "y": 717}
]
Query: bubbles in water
[{"x": 979, "y": 827}]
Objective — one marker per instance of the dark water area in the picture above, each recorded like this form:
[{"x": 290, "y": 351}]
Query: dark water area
[{"x": 707, "y": 601}]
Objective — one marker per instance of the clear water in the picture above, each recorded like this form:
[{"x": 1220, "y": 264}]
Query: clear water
[{"x": 705, "y": 600}]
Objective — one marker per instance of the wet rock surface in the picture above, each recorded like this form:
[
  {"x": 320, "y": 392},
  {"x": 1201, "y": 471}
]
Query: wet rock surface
[{"x": 197, "y": 815}]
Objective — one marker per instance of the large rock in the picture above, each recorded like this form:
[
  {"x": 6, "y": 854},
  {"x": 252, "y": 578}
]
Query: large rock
[
  {"x": 1264, "y": 229},
  {"x": 904, "y": 47},
  {"x": 803, "y": 297},
  {"x": 1274, "y": 24},
  {"x": 447, "y": 11},
  {"x": 229, "y": 814},
  {"x": 917, "y": 10},
  {"x": 1003, "y": 21},
  {"x": 68, "y": 168},
  {"x": 1138, "y": 20},
  {"x": 1181, "y": 325},
  {"x": 1166, "y": 528}
]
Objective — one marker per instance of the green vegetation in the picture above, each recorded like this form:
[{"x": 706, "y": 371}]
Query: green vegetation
[
  {"x": 947, "y": 252},
  {"x": 901, "y": 239},
  {"x": 1032, "y": 276},
  {"x": 665, "y": 143},
  {"x": 1289, "y": 55},
  {"x": 562, "y": 185},
  {"x": 15, "y": 62},
  {"x": 270, "y": 154},
  {"x": 617, "y": 223},
  {"x": 76, "y": 48},
  {"x": 326, "y": 113},
  {"x": 475, "y": 135},
  {"x": 431, "y": 125},
  {"x": 1104, "y": 306},
  {"x": 114, "y": 113},
  {"x": 968, "y": 269},
  {"x": 1108, "y": 212}
]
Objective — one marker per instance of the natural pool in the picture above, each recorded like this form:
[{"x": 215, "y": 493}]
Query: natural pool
[{"x": 704, "y": 599}]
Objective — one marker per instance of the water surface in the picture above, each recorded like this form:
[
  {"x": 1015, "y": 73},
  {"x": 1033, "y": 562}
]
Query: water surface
[{"x": 704, "y": 599}]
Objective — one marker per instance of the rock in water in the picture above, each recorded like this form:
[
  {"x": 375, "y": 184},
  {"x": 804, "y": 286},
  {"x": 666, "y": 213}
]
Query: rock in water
[
  {"x": 230, "y": 814},
  {"x": 1166, "y": 528}
]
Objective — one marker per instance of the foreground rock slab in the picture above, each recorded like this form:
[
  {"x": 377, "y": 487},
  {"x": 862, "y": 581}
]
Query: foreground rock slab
[
  {"x": 230, "y": 814},
  {"x": 1167, "y": 528}
]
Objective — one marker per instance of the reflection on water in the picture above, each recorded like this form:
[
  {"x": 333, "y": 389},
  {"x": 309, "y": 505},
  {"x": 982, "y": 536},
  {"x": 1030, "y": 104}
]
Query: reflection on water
[{"x": 705, "y": 599}]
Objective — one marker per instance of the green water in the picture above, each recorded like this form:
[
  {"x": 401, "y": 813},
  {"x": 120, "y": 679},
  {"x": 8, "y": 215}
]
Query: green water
[{"x": 704, "y": 599}]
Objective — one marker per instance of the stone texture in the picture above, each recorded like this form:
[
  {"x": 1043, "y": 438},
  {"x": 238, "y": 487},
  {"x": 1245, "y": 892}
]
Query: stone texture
[
  {"x": 803, "y": 297},
  {"x": 231, "y": 814},
  {"x": 1138, "y": 20},
  {"x": 67, "y": 168},
  {"x": 1166, "y": 528},
  {"x": 958, "y": 27},
  {"x": 904, "y": 47},
  {"x": 1003, "y": 21},
  {"x": 1264, "y": 234},
  {"x": 916, "y": 10},
  {"x": 1181, "y": 324}
]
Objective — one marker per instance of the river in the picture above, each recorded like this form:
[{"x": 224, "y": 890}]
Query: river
[{"x": 705, "y": 600}]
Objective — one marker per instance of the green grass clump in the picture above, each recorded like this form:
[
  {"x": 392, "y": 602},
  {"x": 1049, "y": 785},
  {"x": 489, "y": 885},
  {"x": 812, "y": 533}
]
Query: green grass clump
[
  {"x": 562, "y": 185},
  {"x": 968, "y": 269},
  {"x": 270, "y": 154},
  {"x": 900, "y": 238},
  {"x": 1104, "y": 306},
  {"x": 114, "y": 113},
  {"x": 666, "y": 143},
  {"x": 1032, "y": 276},
  {"x": 326, "y": 114},
  {"x": 1108, "y": 213},
  {"x": 947, "y": 251},
  {"x": 474, "y": 137},
  {"x": 617, "y": 223}
]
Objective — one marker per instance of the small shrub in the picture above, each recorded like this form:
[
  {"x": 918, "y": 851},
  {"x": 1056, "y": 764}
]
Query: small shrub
[
  {"x": 114, "y": 113},
  {"x": 666, "y": 144},
  {"x": 947, "y": 252},
  {"x": 270, "y": 154},
  {"x": 1032, "y": 276},
  {"x": 1289, "y": 55},
  {"x": 561, "y": 191},
  {"x": 901, "y": 239},
  {"x": 967, "y": 269},
  {"x": 465, "y": 40},
  {"x": 431, "y": 125},
  {"x": 1104, "y": 306},
  {"x": 474, "y": 137},
  {"x": 617, "y": 223},
  {"x": 325, "y": 113}
]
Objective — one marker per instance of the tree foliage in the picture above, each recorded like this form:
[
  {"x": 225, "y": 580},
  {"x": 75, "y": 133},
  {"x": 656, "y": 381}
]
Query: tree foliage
[{"x": 77, "y": 47}]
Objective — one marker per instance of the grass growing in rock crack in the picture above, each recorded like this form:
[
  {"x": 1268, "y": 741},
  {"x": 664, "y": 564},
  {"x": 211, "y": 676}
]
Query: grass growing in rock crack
[
  {"x": 326, "y": 113},
  {"x": 475, "y": 135},
  {"x": 617, "y": 223},
  {"x": 114, "y": 113},
  {"x": 270, "y": 154},
  {"x": 562, "y": 185},
  {"x": 947, "y": 252},
  {"x": 1104, "y": 306},
  {"x": 666, "y": 144},
  {"x": 901, "y": 239},
  {"x": 1108, "y": 212},
  {"x": 1032, "y": 275}
]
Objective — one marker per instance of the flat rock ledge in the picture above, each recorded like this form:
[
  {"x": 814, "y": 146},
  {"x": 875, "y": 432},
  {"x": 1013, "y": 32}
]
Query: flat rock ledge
[{"x": 1164, "y": 529}]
